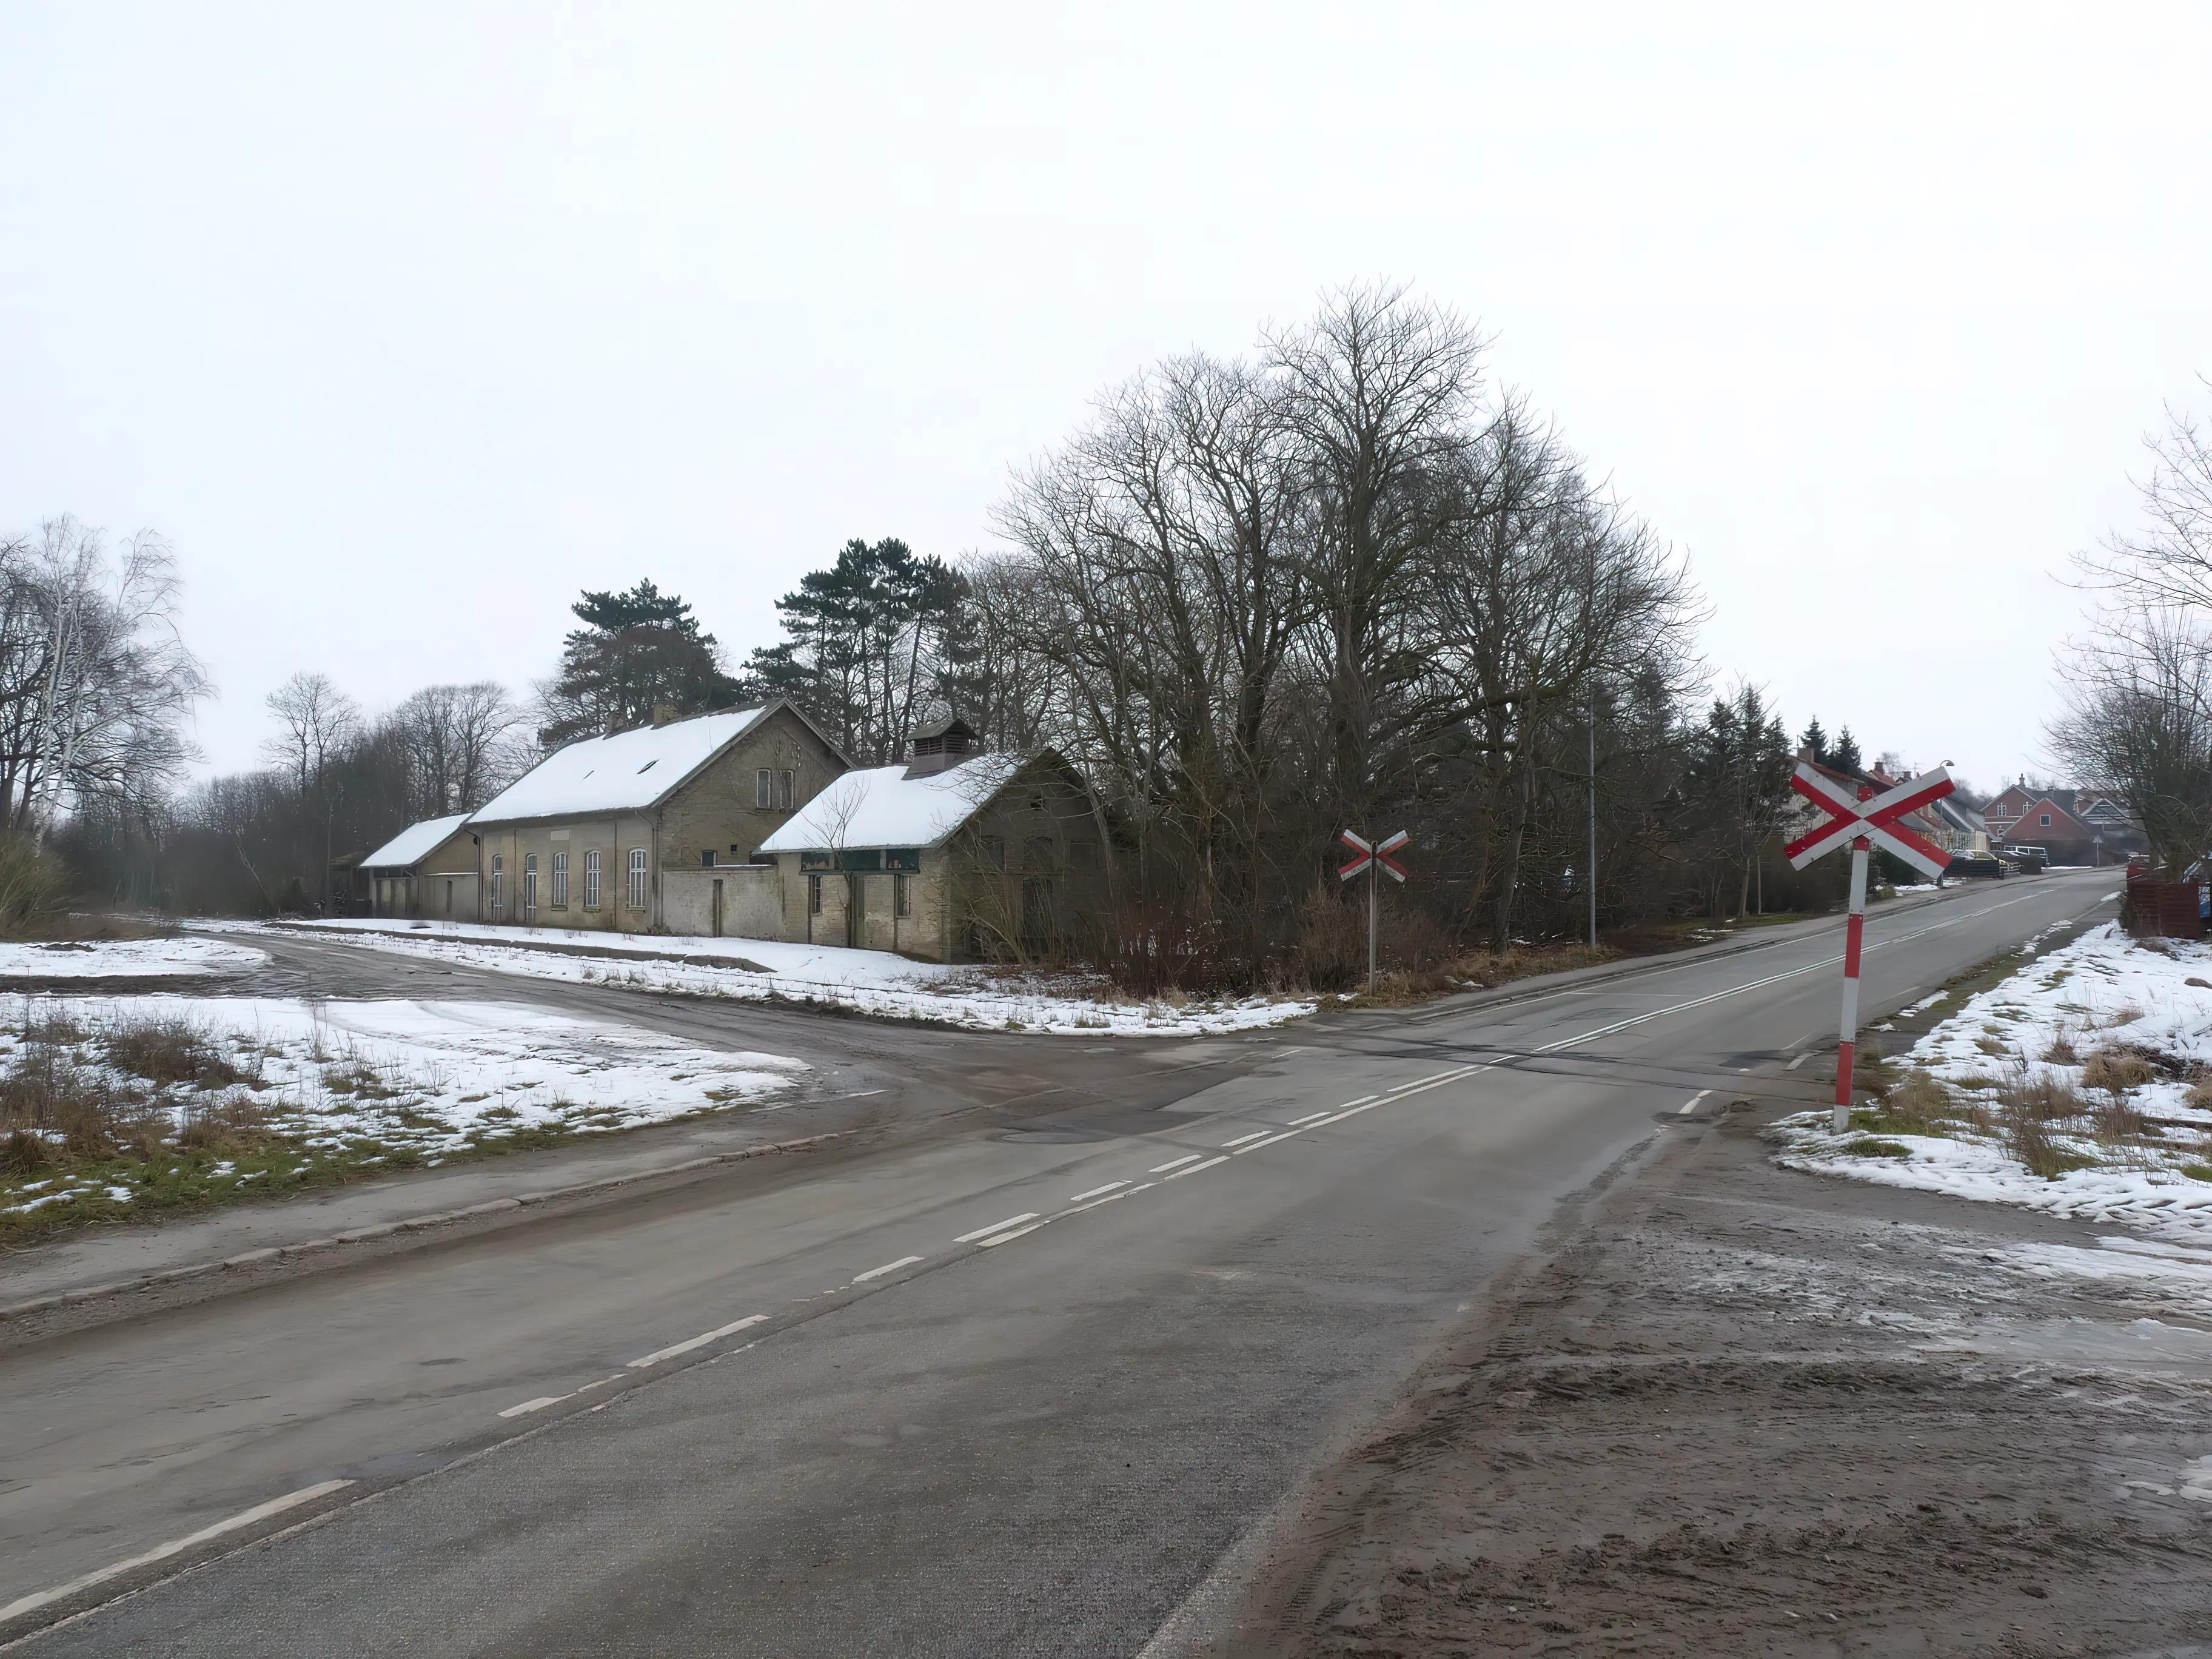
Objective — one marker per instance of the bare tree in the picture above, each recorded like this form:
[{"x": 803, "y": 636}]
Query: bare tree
[
  {"x": 95, "y": 683},
  {"x": 2168, "y": 564},
  {"x": 2138, "y": 721},
  {"x": 316, "y": 723},
  {"x": 457, "y": 743}
]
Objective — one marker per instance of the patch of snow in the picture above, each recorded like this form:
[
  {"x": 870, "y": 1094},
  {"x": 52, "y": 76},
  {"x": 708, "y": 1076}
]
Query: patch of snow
[
  {"x": 627, "y": 772},
  {"x": 2103, "y": 990},
  {"x": 867, "y": 981},
  {"x": 427, "y": 1074},
  {"x": 883, "y": 808},
  {"x": 414, "y": 843},
  {"x": 125, "y": 958}
]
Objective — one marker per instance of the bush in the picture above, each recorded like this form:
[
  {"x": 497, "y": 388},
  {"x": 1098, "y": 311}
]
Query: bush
[
  {"x": 169, "y": 1051},
  {"x": 33, "y": 886}
]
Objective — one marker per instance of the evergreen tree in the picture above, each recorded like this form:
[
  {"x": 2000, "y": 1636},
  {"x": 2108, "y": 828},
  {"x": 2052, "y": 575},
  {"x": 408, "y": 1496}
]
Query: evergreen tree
[
  {"x": 869, "y": 644},
  {"x": 1846, "y": 756},
  {"x": 1815, "y": 739},
  {"x": 636, "y": 650}
]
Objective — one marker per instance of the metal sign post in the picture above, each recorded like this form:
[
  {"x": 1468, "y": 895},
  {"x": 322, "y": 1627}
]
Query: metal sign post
[
  {"x": 1377, "y": 859},
  {"x": 1863, "y": 822}
]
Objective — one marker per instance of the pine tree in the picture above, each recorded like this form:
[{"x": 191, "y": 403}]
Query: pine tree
[
  {"x": 1846, "y": 756},
  {"x": 636, "y": 650},
  {"x": 1816, "y": 739}
]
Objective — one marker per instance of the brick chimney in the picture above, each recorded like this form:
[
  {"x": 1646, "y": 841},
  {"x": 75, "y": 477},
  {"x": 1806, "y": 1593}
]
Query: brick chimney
[{"x": 663, "y": 713}]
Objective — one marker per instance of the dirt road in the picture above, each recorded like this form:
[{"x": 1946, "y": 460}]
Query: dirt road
[{"x": 1735, "y": 1410}]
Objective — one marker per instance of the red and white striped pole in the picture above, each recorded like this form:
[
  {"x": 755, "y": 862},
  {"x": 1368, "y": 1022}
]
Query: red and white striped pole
[{"x": 1854, "y": 930}]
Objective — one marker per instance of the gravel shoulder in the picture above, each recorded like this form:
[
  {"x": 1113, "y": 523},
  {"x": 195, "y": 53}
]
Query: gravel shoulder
[{"x": 1734, "y": 1408}]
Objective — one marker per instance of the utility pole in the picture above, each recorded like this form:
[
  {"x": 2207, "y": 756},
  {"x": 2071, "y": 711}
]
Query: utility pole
[{"x": 1590, "y": 878}]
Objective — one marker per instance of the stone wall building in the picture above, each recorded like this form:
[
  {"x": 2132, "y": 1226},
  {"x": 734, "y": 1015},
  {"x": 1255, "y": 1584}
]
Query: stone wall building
[
  {"x": 953, "y": 857},
  {"x": 653, "y": 829},
  {"x": 428, "y": 869}
]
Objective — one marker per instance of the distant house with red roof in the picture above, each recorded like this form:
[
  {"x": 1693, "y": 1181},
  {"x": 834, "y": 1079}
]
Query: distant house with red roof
[{"x": 2072, "y": 826}]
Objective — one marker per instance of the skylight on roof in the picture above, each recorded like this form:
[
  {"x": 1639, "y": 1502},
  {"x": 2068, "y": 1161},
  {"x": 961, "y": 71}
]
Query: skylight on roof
[{"x": 650, "y": 764}]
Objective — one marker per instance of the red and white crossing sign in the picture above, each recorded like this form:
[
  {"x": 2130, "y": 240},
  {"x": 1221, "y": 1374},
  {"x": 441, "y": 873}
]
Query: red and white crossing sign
[
  {"x": 1863, "y": 821},
  {"x": 1875, "y": 818},
  {"x": 1378, "y": 853}
]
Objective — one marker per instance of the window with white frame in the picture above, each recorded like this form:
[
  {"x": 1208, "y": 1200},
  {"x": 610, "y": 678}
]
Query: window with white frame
[
  {"x": 591, "y": 879},
  {"x": 498, "y": 882},
  {"x": 530, "y": 885},
  {"x": 637, "y": 879},
  {"x": 764, "y": 787},
  {"x": 560, "y": 881}
]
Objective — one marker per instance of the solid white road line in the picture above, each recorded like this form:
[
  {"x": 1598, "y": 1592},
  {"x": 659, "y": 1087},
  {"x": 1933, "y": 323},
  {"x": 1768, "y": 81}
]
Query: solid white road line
[
  {"x": 1195, "y": 1168},
  {"x": 1173, "y": 1163},
  {"x": 1241, "y": 1139},
  {"x": 537, "y": 1405},
  {"x": 888, "y": 1267},
  {"x": 1691, "y": 1104},
  {"x": 999, "y": 1226},
  {"x": 1800, "y": 1061},
  {"x": 1095, "y": 1191},
  {"x": 175, "y": 1546},
  {"x": 1770, "y": 979},
  {"x": 699, "y": 1341}
]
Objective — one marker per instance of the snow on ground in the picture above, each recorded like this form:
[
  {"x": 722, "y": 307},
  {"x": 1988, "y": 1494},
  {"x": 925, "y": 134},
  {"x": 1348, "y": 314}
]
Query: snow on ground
[
  {"x": 868, "y": 981},
  {"x": 407, "y": 1082},
  {"x": 125, "y": 959},
  {"x": 2024, "y": 1070}
]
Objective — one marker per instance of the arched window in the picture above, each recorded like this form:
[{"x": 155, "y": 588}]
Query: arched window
[
  {"x": 591, "y": 879},
  {"x": 637, "y": 879},
  {"x": 498, "y": 897},
  {"x": 560, "y": 881},
  {"x": 529, "y": 885}
]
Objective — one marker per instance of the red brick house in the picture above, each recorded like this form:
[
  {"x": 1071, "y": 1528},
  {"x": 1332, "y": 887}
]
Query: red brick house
[{"x": 2072, "y": 826}]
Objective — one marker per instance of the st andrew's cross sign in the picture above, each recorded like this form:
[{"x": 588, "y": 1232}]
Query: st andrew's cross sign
[
  {"x": 1862, "y": 821},
  {"x": 1378, "y": 859}
]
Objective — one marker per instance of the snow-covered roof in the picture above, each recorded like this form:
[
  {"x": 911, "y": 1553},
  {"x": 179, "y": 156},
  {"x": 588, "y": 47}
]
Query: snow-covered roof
[
  {"x": 883, "y": 808},
  {"x": 413, "y": 843},
  {"x": 625, "y": 773}
]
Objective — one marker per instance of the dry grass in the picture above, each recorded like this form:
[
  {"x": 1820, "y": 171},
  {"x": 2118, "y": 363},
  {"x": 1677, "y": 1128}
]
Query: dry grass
[
  {"x": 2062, "y": 1051},
  {"x": 2115, "y": 1070}
]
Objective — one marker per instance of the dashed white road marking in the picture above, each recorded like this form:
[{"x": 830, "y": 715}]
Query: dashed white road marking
[
  {"x": 1195, "y": 1168},
  {"x": 1800, "y": 1061},
  {"x": 699, "y": 1341},
  {"x": 1018, "y": 1232},
  {"x": 999, "y": 1226},
  {"x": 888, "y": 1267},
  {"x": 1691, "y": 1104},
  {"x": 176, "y": 1546},
  {"x": 1096, "y": 1191},
  {"x": 1173, "y": 1163},
  {"x": 1310, "y": 1116},
  {"x": 537, "y": 1405},
  {"x": 1241, "y": 1139}
]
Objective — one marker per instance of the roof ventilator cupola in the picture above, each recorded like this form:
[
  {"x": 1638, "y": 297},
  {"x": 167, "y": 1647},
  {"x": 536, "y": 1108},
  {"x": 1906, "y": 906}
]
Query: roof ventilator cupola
[{"x": 939, "y": 745}]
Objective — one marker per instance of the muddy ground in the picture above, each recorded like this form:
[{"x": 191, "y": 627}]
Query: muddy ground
[{"x": 1736, "y": 1410}]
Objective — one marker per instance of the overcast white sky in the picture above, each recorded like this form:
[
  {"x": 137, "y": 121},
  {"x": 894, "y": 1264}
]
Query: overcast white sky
[{"x": 406, "y": 324}]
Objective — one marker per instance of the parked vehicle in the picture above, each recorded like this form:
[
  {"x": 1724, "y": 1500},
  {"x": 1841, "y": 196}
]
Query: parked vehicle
[{"x": 1986, "y": 865}]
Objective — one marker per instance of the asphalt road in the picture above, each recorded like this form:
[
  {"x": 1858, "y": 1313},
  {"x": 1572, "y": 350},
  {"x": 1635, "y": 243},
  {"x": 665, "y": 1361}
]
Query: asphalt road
[{"x": 1010, "y": 1385}]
